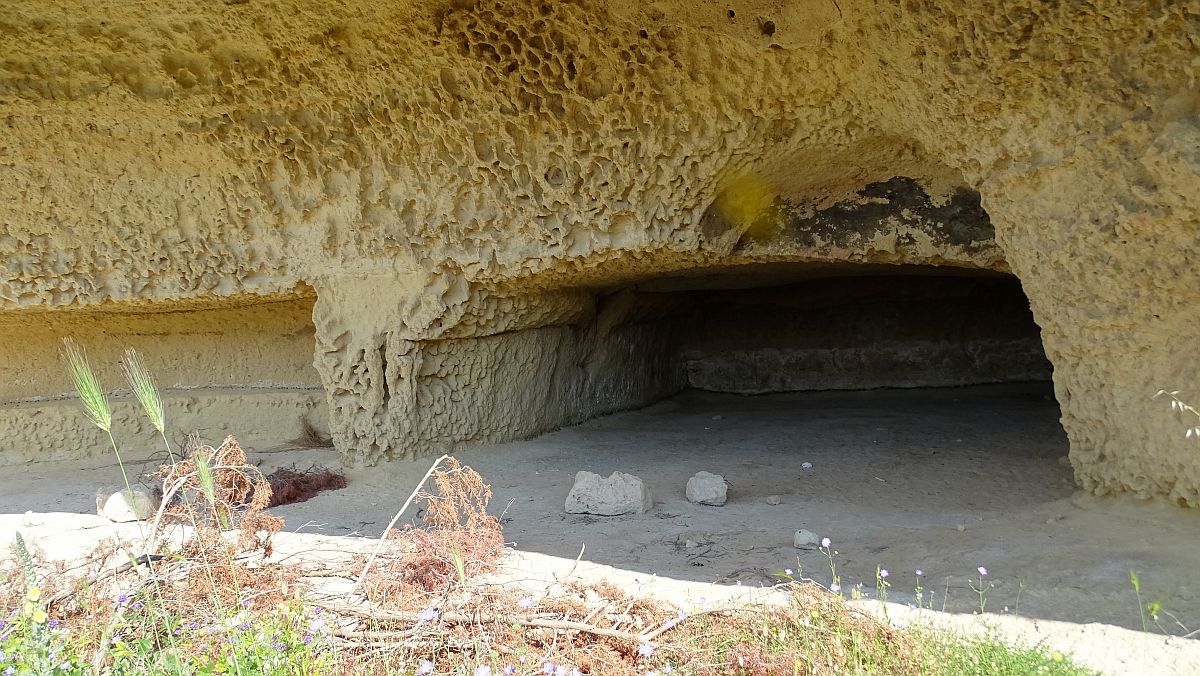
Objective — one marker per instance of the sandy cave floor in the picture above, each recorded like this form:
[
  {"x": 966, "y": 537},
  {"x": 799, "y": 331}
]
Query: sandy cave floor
[{"x": 942, "y": 480}]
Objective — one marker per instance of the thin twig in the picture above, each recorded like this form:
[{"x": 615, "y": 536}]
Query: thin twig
[
  {"x": 383, "y": 536},
  {"x": 485, "y": 618},
  {"x": 675, "y": 621}
]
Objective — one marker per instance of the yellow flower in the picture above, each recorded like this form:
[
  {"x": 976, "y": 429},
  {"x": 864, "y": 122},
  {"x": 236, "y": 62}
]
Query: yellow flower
[
  {"x": 34, "y": 594},
  {"x": 29, "y": 608},
  {"x": 40, "y": 617}
]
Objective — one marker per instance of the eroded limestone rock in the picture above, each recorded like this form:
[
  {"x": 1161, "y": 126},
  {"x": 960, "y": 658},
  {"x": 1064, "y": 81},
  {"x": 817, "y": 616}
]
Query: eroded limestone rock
[
  {"x": 706, "y": 488},
  {"x": 464, "y": 185},
  {"x": 617, "y": 494},
  {"x": 805, "y": 539},
  {"x": 136, "y": 503}
]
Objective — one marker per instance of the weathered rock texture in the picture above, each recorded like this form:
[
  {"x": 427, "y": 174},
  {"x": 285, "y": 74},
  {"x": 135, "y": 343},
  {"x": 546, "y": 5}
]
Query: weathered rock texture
[
  {"x": 614, "y": 495},
  {"x": 476, "y": 191}
]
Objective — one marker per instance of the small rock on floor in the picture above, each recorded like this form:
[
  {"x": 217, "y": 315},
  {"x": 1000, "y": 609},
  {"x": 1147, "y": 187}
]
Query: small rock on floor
[
  {"x": 805, "y": 539},
  {"x": 135, "y": 504},
  {"x": 706, "y": 488},
  {"x": 619, "y": 494}
]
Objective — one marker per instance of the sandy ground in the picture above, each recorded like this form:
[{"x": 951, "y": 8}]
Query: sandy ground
[{"x": 942, "y": 480}]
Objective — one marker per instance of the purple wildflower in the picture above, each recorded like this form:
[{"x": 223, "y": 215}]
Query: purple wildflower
[
  {"x": 525, "y": 603},
  {"x": 982, "y": 571},
  {"x": 426, "y": 667},
  {"x": 510, "y": 670},
  {"x": 52, "y": 624},
  {"x": 122, "y": 598},
  {"x": 787, "y": 571},
  {"x": 883, "y": 573},
  {"x": 9, "y": 671},
  {"x": 920, "y": 573},
  {"x": 428, "y": 615},
  {"x": 646, "y": 650},
  {"x": 317, "y": 624},
  {"x": 835, "y": 587},
  {"x": 560, "y": 670},
  {"x": 307, "y": 639},
  {"x": 548, "y": 668},
  {"x": 483, "y": 670},
  {"x": 825, "y": 542},
  {"x": 138, "y": 605}
]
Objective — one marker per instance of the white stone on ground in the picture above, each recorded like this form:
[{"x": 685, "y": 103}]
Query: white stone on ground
[
  {"x": 134, "y": 504},
  {"x": 805, "y": 539},
  {"x": 773, "y": 500},
  {"x": 619, "y": 494},
  {"x": 706, "y": 488}
]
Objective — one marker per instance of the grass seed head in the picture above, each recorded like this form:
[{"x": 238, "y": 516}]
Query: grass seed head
[{"x": 87, "y": 385}]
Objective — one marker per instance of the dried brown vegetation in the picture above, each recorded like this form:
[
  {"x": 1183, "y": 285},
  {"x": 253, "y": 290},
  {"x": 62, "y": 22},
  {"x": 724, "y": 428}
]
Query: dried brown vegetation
[
  {"x": 457, "y": 532},
  {"x": 289, "y": 485},
  {"x": 235, "y": 497}
]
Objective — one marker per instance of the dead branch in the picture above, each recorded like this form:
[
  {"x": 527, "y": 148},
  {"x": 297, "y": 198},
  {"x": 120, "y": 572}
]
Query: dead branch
[
  {"x": 485, "y": 618},
  {"x": 538, "y": 620},
  {"x": 391, "y": 524}
]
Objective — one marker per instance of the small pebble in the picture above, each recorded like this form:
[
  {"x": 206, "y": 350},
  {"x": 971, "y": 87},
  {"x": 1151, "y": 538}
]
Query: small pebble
[
  {"x": 691, "y": 544},
  {"x": 961, "y": 527},
  {"x": 716, "y": 417},
  {"x": 773, "y": 500},
  {"x": 805, "y": 539},
  {"x": 807, "y": 465}
]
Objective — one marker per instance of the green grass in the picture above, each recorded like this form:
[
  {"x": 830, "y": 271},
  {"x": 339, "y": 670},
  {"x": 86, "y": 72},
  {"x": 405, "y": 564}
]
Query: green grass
[
  {"x": 819, "y": 633},
  {"x": 951, "y": 656}
]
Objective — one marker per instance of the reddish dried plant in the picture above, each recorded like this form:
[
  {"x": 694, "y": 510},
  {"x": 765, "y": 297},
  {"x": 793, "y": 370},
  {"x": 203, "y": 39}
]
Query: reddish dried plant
[{"x": 457, "y": 531}]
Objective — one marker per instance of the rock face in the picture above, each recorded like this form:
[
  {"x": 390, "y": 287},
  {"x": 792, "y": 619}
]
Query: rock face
[
  {"x": 618, "y": 494},
  {"x": 706, "y": 488},
  {"x": 497, "y": 217}
]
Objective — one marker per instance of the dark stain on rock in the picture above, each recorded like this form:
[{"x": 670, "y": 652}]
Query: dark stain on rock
[{"x": 959, "y": 222}]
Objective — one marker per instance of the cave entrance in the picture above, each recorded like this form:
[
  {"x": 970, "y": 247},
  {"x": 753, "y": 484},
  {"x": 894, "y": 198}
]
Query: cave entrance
[
  {"x": 764, "y": 331},
  {"x": 893, "y": 368}
]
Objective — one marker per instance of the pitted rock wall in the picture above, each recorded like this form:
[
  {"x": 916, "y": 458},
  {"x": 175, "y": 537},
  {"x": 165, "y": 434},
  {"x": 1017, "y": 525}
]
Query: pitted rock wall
[
  {"x": 244, "y": 370},
  {"x": 191, "y": 154}
]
